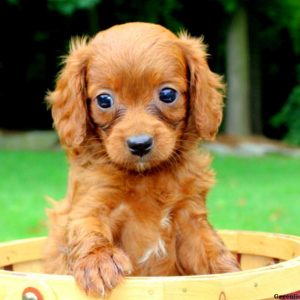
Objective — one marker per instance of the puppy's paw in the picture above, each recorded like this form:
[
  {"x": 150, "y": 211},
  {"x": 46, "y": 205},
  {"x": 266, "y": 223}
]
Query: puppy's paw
[{"x": 102, "y": 270}]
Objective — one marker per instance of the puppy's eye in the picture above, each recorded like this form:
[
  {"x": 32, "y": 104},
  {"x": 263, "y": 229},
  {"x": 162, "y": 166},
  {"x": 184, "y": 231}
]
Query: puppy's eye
[
  {"x": 104, "y": 101},
  {"x": 168, "y": 95}
]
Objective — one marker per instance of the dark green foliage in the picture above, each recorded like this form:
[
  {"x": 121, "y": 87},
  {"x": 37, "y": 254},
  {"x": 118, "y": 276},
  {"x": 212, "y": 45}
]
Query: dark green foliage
[
  {"x": 151, "y": 11},
  {"x": 289, "y": 117},
  {"x": 230, "y": 5},
  {"x": 68, "y": 7},
  {"x": 13, "y": 2},
  {"x": 154, "y": 11}
]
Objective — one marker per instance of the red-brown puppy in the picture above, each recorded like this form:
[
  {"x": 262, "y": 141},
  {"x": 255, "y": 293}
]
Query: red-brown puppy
[{"x": 130, "y": 107}]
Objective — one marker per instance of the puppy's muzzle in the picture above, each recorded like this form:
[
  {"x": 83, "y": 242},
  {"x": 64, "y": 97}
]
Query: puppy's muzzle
[{"x": 140, "y": 145}]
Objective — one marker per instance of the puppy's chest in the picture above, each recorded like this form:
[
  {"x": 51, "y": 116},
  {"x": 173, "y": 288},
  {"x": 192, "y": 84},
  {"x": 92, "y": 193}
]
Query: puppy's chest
[
  {"x": 145, "y": 226},
  {"x": 146, "y": 212},
  {"x": 148, "y": 237}
]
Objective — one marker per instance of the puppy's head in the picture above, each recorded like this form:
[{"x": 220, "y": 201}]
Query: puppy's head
[{"x": 140, "y": 91}]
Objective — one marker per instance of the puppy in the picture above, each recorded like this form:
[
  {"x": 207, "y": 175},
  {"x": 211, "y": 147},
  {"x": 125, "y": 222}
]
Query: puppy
[{"x": 130, "y": 107}]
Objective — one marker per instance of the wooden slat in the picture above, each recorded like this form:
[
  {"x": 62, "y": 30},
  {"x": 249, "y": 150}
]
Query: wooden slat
[
  {"x": 34, "y": 266},
  {"x": 264, "y": 244},
  {"x": 21, "y": 250},
  {"x": 253, "y": 261}
]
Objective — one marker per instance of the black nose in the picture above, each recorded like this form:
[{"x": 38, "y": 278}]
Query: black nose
[{"x": 140, "y": 144}]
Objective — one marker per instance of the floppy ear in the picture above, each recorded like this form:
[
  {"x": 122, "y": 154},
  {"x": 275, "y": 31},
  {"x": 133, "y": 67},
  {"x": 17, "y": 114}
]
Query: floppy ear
[
  {"x": 68, "y": 99},
  {"x": 205, "y": 87}
]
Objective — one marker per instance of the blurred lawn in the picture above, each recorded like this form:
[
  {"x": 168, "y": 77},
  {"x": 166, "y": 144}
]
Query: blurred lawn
[
  {"x": 25, "y": 179},
  {"x": 256, "y": 193},
  {"x": 252, "y": 193}
]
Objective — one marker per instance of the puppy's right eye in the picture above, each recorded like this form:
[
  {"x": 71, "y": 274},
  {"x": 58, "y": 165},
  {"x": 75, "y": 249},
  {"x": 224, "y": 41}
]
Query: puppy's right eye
[
  {"x": 104, "y": 101},
  {"x": 168, "y": 95}
]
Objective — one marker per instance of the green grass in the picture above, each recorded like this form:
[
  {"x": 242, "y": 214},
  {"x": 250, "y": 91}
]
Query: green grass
[
  {"x": 256, "y": 193},
  {"x": 26, "y": 178},
  {"x": 260, "y": 194}
]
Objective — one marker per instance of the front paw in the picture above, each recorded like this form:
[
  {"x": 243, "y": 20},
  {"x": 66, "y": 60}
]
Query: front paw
[{"x": 101, "y": 270}]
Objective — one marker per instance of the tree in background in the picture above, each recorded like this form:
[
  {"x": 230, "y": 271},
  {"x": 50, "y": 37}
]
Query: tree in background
[
  {"x": 238, "y": 116},
  {"x": 246, "y": 36}
]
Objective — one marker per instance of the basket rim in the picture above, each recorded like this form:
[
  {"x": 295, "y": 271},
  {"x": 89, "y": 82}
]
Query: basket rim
[
  {"x": 259, "y": 283},
  {"x": 291, "y": 263}
]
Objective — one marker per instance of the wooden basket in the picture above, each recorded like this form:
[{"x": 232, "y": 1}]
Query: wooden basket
[{"x": 270, "y": 264}]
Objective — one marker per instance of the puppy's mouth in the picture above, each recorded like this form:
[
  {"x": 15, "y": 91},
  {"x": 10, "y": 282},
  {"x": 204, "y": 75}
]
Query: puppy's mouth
[
  {"x": 141, "y": 166},
  {"x": 137, "y": 164}
]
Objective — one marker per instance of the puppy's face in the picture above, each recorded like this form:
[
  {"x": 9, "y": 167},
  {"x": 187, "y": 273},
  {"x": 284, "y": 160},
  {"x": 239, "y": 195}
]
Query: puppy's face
[
  {"x": 138, "y": 88},
  {"x": 138, "y": 97}
]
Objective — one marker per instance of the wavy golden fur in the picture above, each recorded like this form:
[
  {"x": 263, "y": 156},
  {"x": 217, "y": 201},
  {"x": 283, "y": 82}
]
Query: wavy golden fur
[{"x": 127, "y": 211}]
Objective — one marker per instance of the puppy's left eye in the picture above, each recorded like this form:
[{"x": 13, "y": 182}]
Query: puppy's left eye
[
  {"x": 104, "y": 101},
  {"x": 168, "y": 95}
]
